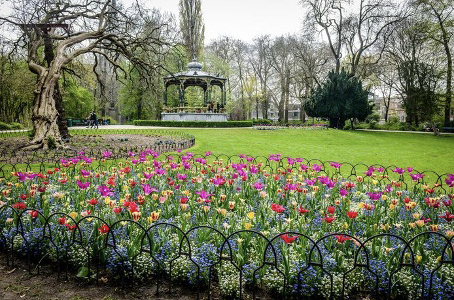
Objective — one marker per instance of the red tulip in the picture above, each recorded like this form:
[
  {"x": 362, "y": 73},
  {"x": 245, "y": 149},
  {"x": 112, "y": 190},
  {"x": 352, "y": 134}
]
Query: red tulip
[
  {"x": 34, "y": 213},
  {"x": 352, "y": 214},
  {"x": 302, "y": 210},
  {"x": 329, "y": 219},
  {"x": 20, "y": 205},
  {"x": 71, "y": 227},
  {"x": 93, "y": 201},
  {"x": 62, "y": 220},
  {"x": 277, "y": 208},
  {"x": 288, "y": 239},
  {"x": 448, "y": 216},
  {"x": 342, "y": 238},
  {"x": 331, "y": 209},
  {"x": 103, "y": 229}
]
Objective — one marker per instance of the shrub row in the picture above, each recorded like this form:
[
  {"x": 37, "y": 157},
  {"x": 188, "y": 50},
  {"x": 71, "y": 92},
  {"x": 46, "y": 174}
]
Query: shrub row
[
  {"x": 13, "y": 125},
  {"x": 197, "y": 124}
]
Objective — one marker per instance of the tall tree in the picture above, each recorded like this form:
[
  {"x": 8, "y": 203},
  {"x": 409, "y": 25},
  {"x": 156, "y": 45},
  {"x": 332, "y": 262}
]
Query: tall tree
[
  {"x": 311, "y": 62},
  {"x": 260, "y": 62},
  {"x": 329, "y": 16},
  {"x": 388, "y": 78},
  {"x": 92, "y": 31},
  {"x": 418, "y": 69},
  {"x": 442, "y": 15},
  {"x": 353, "y": 28},
  {"x": 369, "y": 27},
  {"x": 192, "y": 27},
  {"x": 282, "y": 61},
  {"x": 239, "y": 51}
]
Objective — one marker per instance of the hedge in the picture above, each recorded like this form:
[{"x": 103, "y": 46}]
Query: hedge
[
  {"x": 197, "y": 124},
  {"x": 262, "y": 122},
  {"x": 4, "y": 126},
  {"x": 13, "y": 125}
]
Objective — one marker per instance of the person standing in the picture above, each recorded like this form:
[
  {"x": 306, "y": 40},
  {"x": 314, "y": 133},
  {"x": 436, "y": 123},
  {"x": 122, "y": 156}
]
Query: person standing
[
  {"x": 89, "y": 120},
  {"x": 94, "y": 119}
]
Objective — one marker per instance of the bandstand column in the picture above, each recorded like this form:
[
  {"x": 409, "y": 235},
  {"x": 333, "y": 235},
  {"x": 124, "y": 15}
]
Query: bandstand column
[
  {"x": 208, "y": 92},
  {"x": 181, "y": 93},
  {"x": 224, "y": 96},
  {"x": 205, "y": 96},
  {"x": 164, "y": 97}
]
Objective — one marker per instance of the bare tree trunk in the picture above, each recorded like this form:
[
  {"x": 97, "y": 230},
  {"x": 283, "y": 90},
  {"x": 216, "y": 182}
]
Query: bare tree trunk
[
  {"x": 45, "y": 114},
  {"x": 49, "y": 56},
  {"x": 61, "y": 120}
]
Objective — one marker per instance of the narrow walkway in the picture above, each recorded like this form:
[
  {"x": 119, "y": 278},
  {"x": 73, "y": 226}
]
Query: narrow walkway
[
  {"x": 148, "y": 127},
  {"x": 174, "y": 128},
  {"x": 118, "y": 127},
  {"x": 401, "y": 131}
]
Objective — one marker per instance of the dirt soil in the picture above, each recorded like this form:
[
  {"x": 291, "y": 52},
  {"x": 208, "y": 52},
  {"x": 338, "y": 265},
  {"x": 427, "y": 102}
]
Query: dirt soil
[
  {"x": 96, "y": 142},
  {"x": 88, "y": 143},
  {"x": 17, "y": 283}
]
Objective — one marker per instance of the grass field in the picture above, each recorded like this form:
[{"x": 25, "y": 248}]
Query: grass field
[
  {"x": 424, "y": 152},
  {"x": 421, "y": 151}
]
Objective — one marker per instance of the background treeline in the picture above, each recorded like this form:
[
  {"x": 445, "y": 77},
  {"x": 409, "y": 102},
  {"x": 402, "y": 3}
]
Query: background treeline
[{"x": 398, "y": 51}]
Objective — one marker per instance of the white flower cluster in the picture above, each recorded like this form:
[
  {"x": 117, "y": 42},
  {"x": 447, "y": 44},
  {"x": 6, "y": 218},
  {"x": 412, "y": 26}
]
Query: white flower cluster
[
  {"x": 229, "y": 280},
  {"x": 143, "y": 267},
  {"x": 77, "y": 256}
]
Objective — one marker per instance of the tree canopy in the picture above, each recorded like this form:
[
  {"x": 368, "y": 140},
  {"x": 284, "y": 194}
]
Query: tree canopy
[
  {"x": 102, "y": 28},
  {"x": 341, "y": 97}
]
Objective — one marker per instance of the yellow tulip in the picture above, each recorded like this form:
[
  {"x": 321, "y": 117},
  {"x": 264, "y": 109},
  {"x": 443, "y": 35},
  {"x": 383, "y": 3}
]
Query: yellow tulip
[{"x": 418, "y": 259}]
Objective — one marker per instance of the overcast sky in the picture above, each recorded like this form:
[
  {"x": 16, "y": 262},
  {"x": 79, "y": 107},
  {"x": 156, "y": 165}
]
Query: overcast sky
[{"x": 243, "y": 19}]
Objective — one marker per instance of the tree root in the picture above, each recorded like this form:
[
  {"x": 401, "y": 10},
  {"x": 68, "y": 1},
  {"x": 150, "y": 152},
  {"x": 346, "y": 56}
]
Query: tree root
[{"x": 36, "y": 145}]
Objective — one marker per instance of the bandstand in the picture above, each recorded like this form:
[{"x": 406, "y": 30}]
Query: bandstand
[{"x": 213, "y": 110}]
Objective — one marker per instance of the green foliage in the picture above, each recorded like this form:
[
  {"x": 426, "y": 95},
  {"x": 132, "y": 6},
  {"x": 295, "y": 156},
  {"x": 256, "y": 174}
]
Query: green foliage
[
  {"x": 194, "y": 96},
  {"x": 15, "y": 125},
  {"x": 262, "y": 122},
  {"x": 421, "y": 102},
  {"x": 77, "y": 100},
  {"x": 111, "y": 121},
  {"x": 4, "y": 126},
  {"x": 11, "y": 126},
  {"x": 135, "y": 98},
  {"x": 16, "y": 90},
  {"x": 340, "y": 98},
  {"x": 192, "y": 27},
  {"x": 196, "y": 124}
]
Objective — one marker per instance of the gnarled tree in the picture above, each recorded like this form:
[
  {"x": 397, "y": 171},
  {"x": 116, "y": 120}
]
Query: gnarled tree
[{"x": 100, "y": 27}]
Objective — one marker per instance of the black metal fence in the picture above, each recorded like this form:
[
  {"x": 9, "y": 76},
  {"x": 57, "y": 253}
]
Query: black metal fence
[
  {"x": 40, "y": 162},
  {"x": 39, "y": 237},
  {"x": 12, "y": 160}
]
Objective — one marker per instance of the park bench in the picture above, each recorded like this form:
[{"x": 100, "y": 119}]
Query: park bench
[{"x": 448, "y": 129}]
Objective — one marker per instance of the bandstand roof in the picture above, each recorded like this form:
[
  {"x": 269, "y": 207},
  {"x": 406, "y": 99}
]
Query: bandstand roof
[{"x": 194, "y": 76}]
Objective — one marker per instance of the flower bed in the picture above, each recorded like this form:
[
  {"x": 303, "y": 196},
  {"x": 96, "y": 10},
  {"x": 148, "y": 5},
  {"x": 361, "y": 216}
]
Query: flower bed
[{"x": 288, "y": 226}]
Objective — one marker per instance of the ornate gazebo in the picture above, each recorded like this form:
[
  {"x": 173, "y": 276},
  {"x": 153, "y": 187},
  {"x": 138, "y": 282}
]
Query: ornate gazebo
[{"x": 210, "y": 111}]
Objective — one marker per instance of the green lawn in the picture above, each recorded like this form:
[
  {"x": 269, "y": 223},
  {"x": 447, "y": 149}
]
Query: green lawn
[
  {"x": 421, "y": 151},
  {"x": 424, "y": 152}
]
